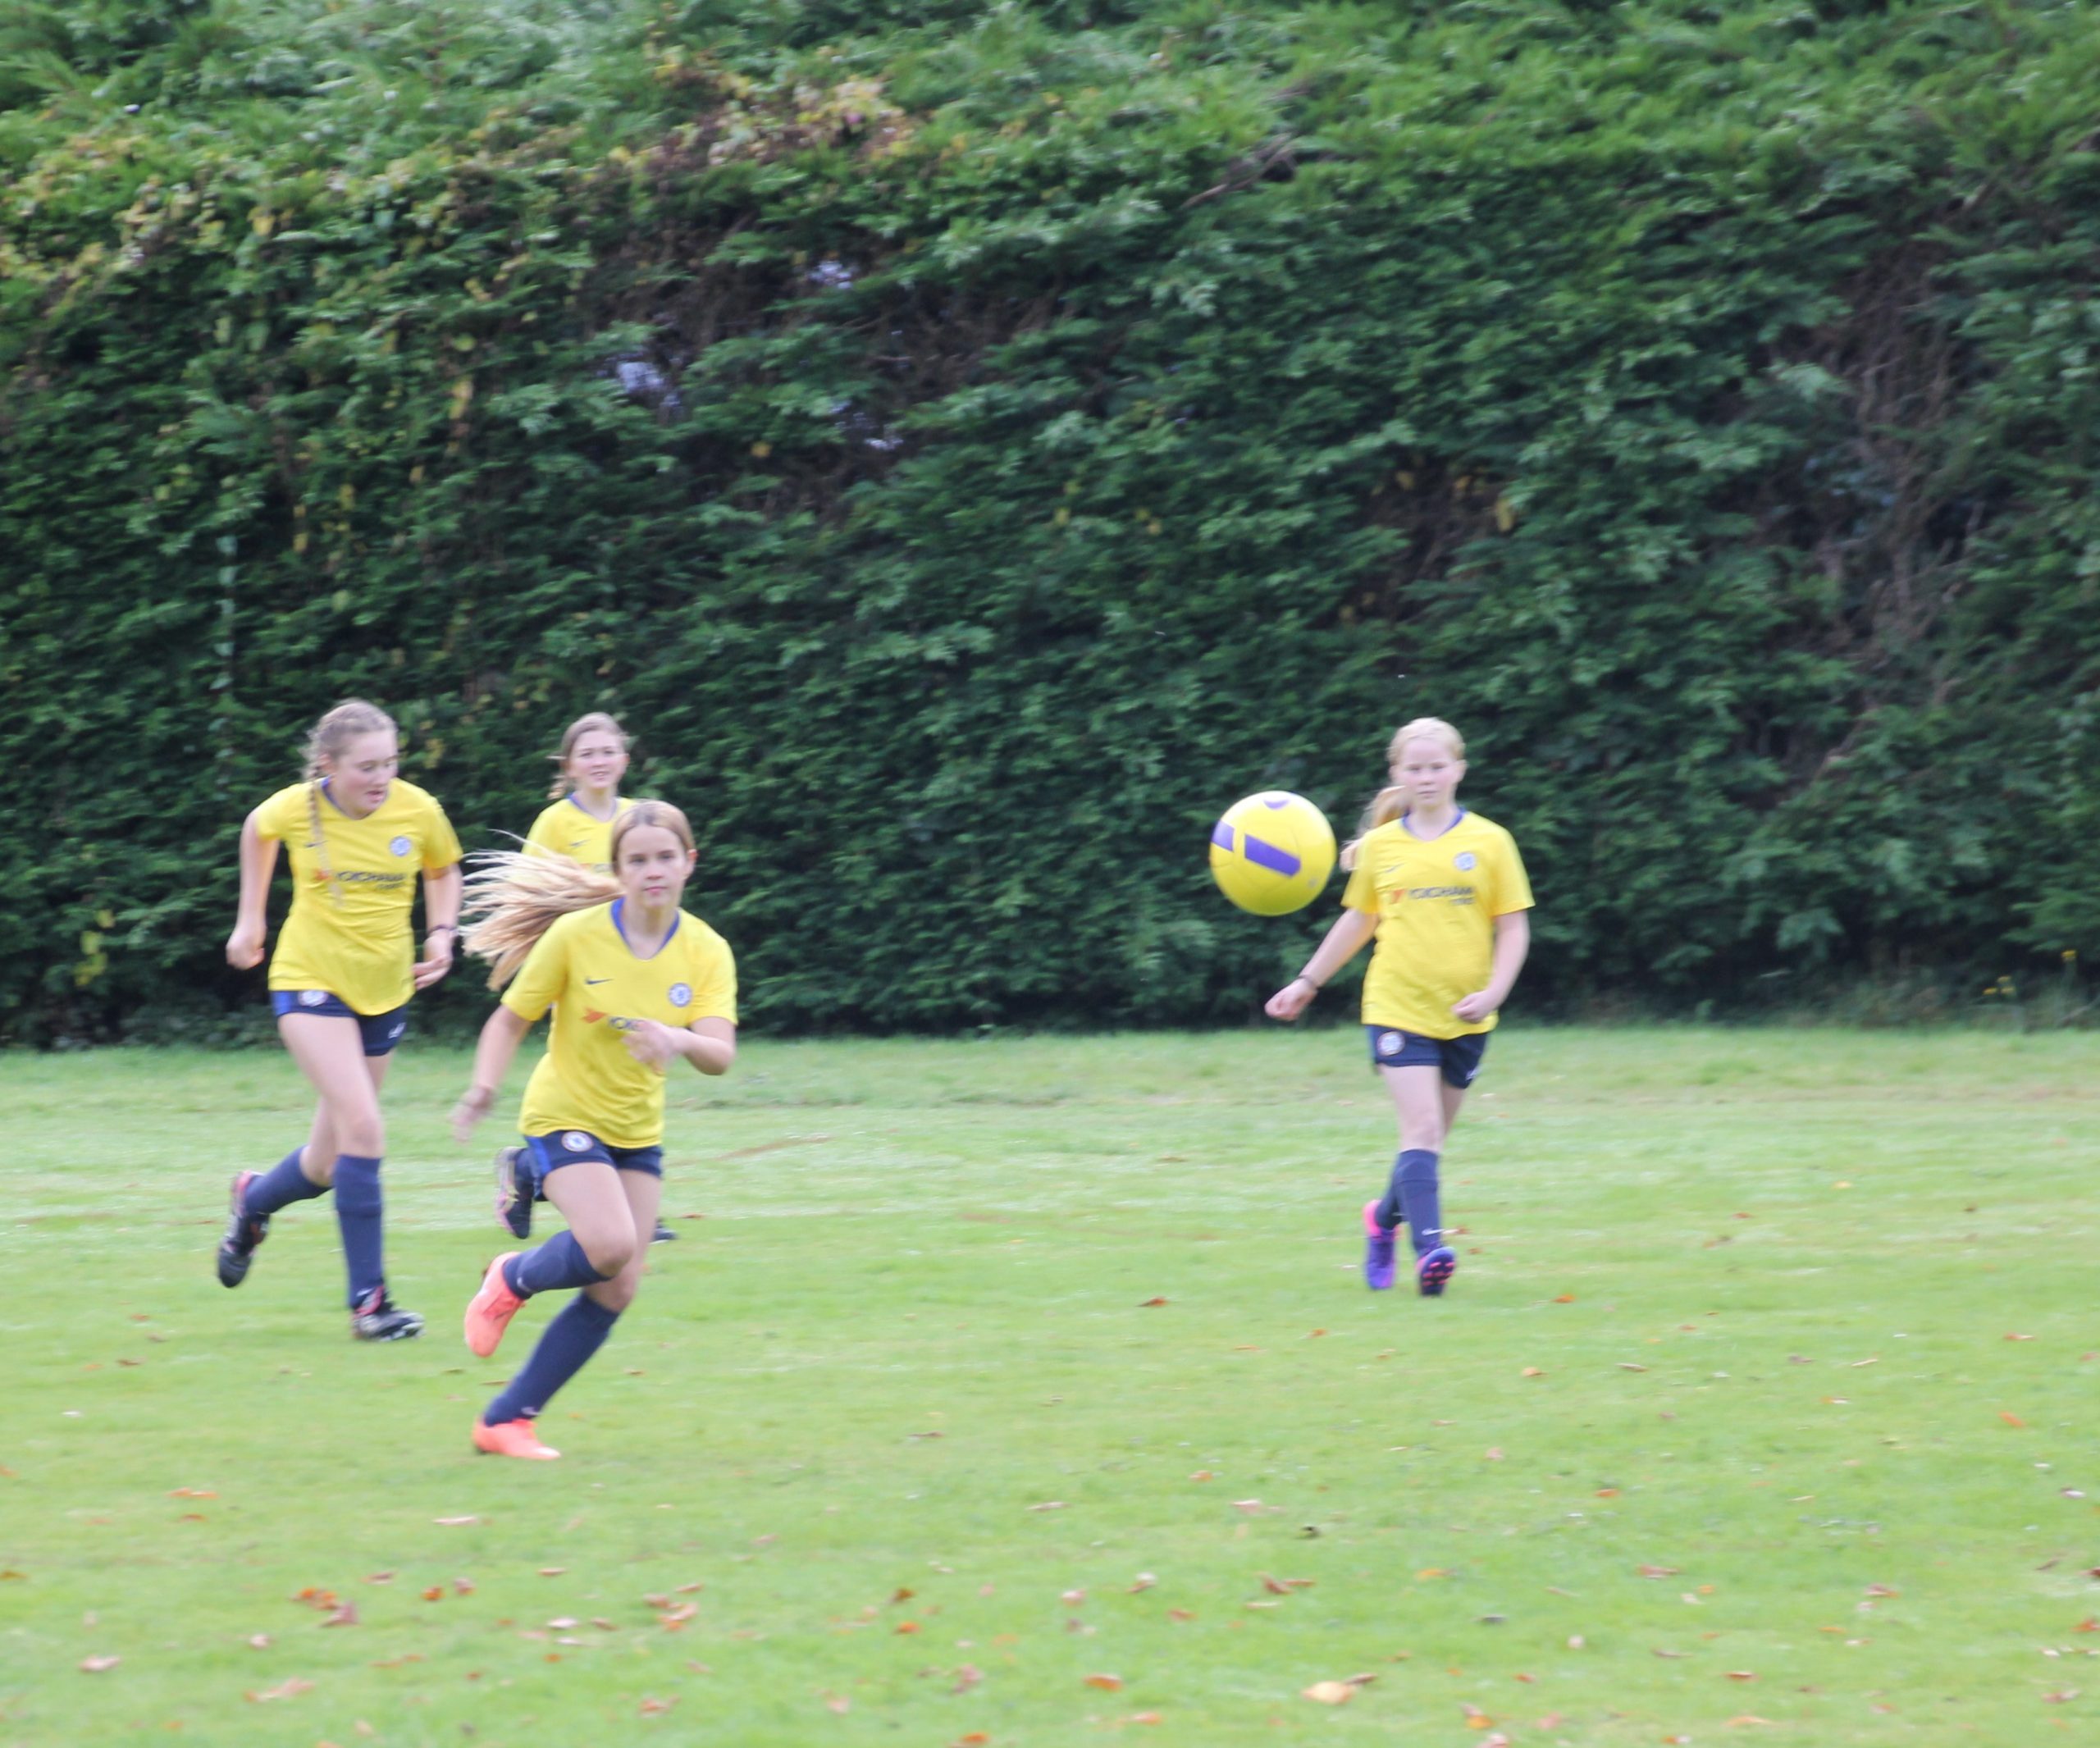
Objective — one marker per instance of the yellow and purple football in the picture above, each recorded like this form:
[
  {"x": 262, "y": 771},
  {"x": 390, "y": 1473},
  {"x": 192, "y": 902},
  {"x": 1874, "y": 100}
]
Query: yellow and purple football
[{"x": 1271, "y": 853}]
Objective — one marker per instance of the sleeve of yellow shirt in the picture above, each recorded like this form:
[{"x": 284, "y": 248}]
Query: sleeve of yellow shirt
[
  {"x": 715, "y": 998},
  {"x": 1513, "y": 889},
  {"x": 440, "y": 842},
  {"x": 542, "y": 837},
  {"x": 1361, "y": 892},
  {"x": 541, "y": 980},
  {"x": 270, "y": 818}
]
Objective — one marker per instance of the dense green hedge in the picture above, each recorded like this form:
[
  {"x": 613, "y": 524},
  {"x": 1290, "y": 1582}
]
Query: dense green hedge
[{"x": 973, "y": 443}]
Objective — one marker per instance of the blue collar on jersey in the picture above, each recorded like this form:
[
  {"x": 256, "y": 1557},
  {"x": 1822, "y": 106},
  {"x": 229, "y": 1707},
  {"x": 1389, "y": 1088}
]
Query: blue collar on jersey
[
  {"x": 1445, "y": 832},
  {"x": 571, "y": 799},
  {"x": 620, "y": 903},
  {"x": 344, "y": 810}
]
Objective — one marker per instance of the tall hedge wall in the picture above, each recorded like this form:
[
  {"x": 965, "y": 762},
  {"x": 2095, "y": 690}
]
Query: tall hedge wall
[{"x": 971, "y": 444}]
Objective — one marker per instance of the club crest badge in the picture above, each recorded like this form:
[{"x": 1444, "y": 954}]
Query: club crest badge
[
  {"x": 1465, "y": 861},
  {"x": 682, "y": 995},
  {"x": 400, "y": 847},
  {"x": 576, "y": 1141}
]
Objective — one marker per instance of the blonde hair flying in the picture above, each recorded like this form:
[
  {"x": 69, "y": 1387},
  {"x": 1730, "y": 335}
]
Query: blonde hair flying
[{"x": 515, "y": 898}]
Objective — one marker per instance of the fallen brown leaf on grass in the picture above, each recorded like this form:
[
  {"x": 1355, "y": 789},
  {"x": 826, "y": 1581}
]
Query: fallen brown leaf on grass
[
  {"x": 838, "y": 1702},
  {"x": 1659, "y": 1572},
  {"x": 454, "y": 1523},
  {"x": 2009, "y": 1336},
  {"x": 1532, "y": 1371},
  {"x": 1202, "y": 1475},
  {"x": 552, "y": 1571},
  {"x": 96, "y": 1665},
  {"x": 1742, "y": 1675},
  {"x": 1145, "y": 1582},
  {"x": 1882, "y": 1589},
  {"x": 1660, "y": 1652},
  {"x": 1744, "y": 1718},
  {"x": 1143, "y": 1718},
  {"x": 1329, "y": 1693},
  {"x": 1478, "y": 1719},
  {"x": 259, "y": 1641},
  {"x": 434, "y": 1593},
  {"x": 974, "y": 1739},
  {"x": 193, "y": 1492},
  {"x": 966, "y": 1678},
  {"x": 1049, "y": 1505},
  {"x": 1149, "y": 1303},
  {"x": 651, "y": 1707},
  {"x": 1180, "y": 1615},
  {"x": 345, "y": 1616},
  {"x": 2010, "y": 1418},
  {"x": 463, "y": 1586},
  {"x": 1493, "y": 1454},
  {"x": 1106, "y": 1683},
  {"x": 288, "y": 1689},
  {"x": 908, "y": 1627},
  {"x": 1627, "y": 1365},
  {"x": 379, "y": 1577}
]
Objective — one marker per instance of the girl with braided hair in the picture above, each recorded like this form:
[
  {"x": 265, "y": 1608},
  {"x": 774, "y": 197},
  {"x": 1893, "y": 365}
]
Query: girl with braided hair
[{"x": 341, "y": 979}]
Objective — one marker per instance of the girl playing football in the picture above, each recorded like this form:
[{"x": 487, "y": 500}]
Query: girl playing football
[
  {"x": 1443, "y": 891},
  {"x": 341, "y": 979},
  {"x": 586, "y": 802},
  {"x": 635, "y": 983}
]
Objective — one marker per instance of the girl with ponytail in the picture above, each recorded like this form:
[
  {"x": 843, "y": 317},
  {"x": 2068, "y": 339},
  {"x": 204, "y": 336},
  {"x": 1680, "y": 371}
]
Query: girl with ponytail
[
  {"x": 635, "y": 984},
  {"x": 1445, "y": 892},
  {"x": 586, "y": 804},
  {"x": 341, "y": 979}
]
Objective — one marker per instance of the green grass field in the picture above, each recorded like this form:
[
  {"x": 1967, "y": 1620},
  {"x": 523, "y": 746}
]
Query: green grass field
[{"x": 1762, "y": 1409}]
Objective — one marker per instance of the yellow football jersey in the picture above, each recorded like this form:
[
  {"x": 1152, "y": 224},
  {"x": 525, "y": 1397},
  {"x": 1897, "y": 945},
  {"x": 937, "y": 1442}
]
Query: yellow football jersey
[
  {"x": 565, "y": 829},
  {"x": 352, "y": 890},
  {"x": 584, "y": 968},
  {"x": 1436, "y": 903}
]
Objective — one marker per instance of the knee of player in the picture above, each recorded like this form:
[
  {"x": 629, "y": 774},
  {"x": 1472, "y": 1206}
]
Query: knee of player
[
  {"x": 610, "y": 1252},
  {"x": 364, "y": 1135},
  {"x": 618, "y": 1294}
]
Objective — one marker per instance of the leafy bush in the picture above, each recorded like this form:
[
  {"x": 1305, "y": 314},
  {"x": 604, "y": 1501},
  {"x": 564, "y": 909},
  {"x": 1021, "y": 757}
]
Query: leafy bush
[{"x": 971, "y": 444}]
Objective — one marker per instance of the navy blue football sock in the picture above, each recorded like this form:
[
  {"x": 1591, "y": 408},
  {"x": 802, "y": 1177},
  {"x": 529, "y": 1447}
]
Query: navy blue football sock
[
  {"x": 1414, "y": 1185},
  {"x": 281, "y": 1186},
  {"x": 565, "y": 1346},
  {"x": 1392, "y": 1207},
  {"x": 560, "y": 1263},
  {"x": 358, "y": 1204}
]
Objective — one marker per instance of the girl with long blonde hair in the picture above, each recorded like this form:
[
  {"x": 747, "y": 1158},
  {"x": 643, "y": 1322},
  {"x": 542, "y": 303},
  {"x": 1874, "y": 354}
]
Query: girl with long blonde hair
[
  {"x": 635, "y": 984},
  {"x": 1444, "y": 892},
  {"x": 585, "y": 805},
  {"x": 341, "y": 979}
]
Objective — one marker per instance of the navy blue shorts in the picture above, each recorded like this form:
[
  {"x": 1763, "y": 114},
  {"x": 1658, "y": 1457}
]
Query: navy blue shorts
[
  {"x": 1458, "y": 1058},
  {"x": 382, "y": 1031},
  {"x": 565, "y": 1147}
]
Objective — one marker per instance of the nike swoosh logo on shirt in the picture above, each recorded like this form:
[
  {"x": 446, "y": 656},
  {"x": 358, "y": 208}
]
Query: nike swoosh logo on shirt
[{"x": 597, "y": 980}]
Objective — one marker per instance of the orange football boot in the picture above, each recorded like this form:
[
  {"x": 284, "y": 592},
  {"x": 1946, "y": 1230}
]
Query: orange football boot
[
  {"x": 512, "y": 1438},
  {"x": 490, "y": 1311}
]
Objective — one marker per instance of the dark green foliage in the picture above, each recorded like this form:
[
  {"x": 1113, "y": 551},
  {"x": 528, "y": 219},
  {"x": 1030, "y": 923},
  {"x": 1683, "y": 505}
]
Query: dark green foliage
[{"x": 972, "y": 444}]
